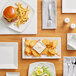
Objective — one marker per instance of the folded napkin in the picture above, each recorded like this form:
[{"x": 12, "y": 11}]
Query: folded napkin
[
  {"x": 71, "y": 41},
  {"x": 45, "y": 14}
]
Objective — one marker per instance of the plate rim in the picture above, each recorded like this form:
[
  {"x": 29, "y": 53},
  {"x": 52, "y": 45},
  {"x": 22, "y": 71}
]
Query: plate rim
[{"x": 13, "y": 73}]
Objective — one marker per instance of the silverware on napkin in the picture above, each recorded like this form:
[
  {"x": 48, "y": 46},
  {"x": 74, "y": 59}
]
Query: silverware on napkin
[
  {"x": 49, "y": 20},
  {"x": 70, "y": 66},
  {"x": 67, "y": 66},
  {"x": 70, "y": 69}
]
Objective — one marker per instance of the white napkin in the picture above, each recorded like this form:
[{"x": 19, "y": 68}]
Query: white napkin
[
  {"x": 65, "y": 69},
  {"x": 45, "y": 4},
  {"x": 74, "y": 72},
  {"x": 44, "y": 13},
  {"x": 67, "y": 66},
  {"x": 71, "y": 41},
  {"x": 70, "y": 70}
]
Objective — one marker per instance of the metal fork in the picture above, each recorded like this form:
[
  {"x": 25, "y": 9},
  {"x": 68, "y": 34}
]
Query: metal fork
[
  {"x": 69, "y": 64},
  {"x": 49, "y": 15},
  {"x": 74, "y": 63}
]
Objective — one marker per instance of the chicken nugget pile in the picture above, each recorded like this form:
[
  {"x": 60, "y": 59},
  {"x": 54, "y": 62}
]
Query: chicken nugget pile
[
  {"x": 29, "y": 48},
  {"x": 50, "y": 49}
]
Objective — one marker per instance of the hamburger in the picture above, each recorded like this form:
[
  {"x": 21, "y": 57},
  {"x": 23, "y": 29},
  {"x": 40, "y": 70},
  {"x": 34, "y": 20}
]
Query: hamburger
[{"x": 10, "y": 14}]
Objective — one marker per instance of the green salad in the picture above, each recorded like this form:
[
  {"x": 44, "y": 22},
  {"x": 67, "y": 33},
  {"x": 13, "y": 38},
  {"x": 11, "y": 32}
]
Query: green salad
[{"x": 41, "y": 71}]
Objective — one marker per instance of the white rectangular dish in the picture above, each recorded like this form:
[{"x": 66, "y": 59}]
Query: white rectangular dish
[
  {"x": 12, "y": 74},
  {"x": 68, "y": 6},
  {"x": 8, "y": 55},
  {"x": 47, "y": 64},
  {"x": 28, "y": 28},
  {"x": 43, "y": 56}
]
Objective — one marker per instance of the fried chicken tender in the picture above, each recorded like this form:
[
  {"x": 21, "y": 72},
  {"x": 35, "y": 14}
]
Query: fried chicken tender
[
  {"x": 46, "y": 41},
  {"x": 50, "y": 45},
  {"x": 35, "y": 54},
  {"x": 45, "y": 51},
  {"x": 49, "y": 54},
  {"x": 55, "y": 42},
  {"x": 32, "y": 43},
  {"x": 52, "y": 51},
  {"x": 27, "y": 42},
  {"x": 28, "y": 51}
]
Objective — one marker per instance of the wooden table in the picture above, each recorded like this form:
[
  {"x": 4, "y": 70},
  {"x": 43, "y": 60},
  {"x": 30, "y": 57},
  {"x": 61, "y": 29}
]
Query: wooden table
[{"x": 61, "y": 31}]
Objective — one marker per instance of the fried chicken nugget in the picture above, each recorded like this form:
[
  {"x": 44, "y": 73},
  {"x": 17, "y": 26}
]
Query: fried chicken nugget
[
  {"x": 32, "y": 43},
  {"x": 52, "y": 51},
  {"x": 49, "y": 54},
  {"x": 27, "y": 42},
  {"x": 46, "y": 41},
  {"x": 35, "y": 54},
  {"x": 45, "y": 51},
  {"x": 55, "y": 42},
  {"x": 50, "y": 45},
  {"x": 28, "y": 51}
]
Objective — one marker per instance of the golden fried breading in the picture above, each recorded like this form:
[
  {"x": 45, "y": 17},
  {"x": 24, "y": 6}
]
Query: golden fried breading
[
  {"x": 28, "y": 51},
  {"x": 32, "y": 43},
  {"x": 35, "y": 54},
  {"x": 49, "y": 54},
  {"x": 46, "y": 41},
  {"x": 52, "y": 51},
  {"x": 28, "y": 54},
  {"x": 27, "y": 42},
  {"x": 50, "y": 45},
  {"x": 45, "y": 51},
  {"x": 55, "y": 42}
]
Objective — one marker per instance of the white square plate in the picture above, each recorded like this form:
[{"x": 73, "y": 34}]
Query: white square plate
[
  {"x": 22, "y": 26},
  {"x": 43, "y": 56},
  {"x": 8, "y": 55},
  {"x": 30, "y": 27},
  {"x": 71, "y": 41},
  {"x": 12, "y": 74},
  {"x": 68, "y": 6},
  {"x": 47, "y": 64}
]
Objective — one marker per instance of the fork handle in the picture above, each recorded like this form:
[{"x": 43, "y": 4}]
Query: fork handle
[
  {"x": 73, "y": 70},
  {"x": 49, "y": 10},
  {"x": 70, "y": 73}
]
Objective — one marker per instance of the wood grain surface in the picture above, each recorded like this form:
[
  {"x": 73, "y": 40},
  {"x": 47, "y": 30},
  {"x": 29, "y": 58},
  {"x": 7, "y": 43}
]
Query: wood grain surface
[{"x": 61, "y": 31}]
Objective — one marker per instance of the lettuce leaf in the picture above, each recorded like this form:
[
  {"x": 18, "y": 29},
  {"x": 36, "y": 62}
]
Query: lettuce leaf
[{"x": 45, "y": 71}]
